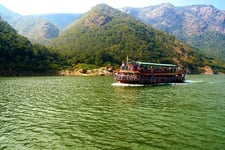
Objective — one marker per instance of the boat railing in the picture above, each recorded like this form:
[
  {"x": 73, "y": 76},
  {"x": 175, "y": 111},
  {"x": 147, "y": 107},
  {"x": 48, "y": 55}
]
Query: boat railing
[
  {"x": 150, "y": 69},
  {"x": 127, "y": 77}
]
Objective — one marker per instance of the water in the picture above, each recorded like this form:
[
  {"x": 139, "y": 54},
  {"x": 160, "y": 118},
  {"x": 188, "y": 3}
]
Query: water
[{"x": 90, "y": 113}]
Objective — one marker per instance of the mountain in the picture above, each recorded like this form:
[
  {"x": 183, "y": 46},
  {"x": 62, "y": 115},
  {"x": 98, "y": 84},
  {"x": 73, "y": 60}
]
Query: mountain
[
  {"x": 42, "y": 28},
  {"x": 38, "y": 28},
  {"x": 202, "y": 26},
  {"x": 60, "y": 20},
  {"x": 18, "y": 56},
  {"x": 107, "y": 36}
]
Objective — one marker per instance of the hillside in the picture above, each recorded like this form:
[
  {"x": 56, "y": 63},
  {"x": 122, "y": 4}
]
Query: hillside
[
  {"x": 106, "y": 36},
  {"x": 19, "y": 57},
  {"x": 201, "y": 26}
]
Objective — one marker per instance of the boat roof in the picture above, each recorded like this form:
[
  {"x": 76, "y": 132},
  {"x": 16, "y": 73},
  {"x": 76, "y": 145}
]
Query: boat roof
[{"x": 156, "y": 64}]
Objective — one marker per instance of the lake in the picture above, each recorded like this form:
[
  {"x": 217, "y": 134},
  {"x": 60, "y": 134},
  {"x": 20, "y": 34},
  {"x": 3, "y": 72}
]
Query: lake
[{"x": 91, "y": 113}]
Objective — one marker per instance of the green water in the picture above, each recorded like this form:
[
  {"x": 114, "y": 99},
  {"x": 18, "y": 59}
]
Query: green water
[{"x": 90, "y": 113}]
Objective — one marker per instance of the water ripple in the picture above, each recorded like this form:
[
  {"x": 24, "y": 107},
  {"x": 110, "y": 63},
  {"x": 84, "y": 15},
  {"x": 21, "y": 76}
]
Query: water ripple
[{"x": 89, "y": 113}]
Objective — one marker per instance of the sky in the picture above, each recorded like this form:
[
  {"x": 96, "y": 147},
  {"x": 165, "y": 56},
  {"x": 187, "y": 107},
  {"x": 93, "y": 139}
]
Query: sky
[{"x": 36, "y": 7}]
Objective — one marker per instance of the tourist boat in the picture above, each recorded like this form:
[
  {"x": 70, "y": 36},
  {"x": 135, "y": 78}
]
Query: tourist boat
[{"x": 149, "y": 73}]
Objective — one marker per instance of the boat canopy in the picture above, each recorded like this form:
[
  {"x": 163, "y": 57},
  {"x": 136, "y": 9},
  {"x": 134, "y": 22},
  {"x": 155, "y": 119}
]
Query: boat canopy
[{"x": 156, "y": 64}]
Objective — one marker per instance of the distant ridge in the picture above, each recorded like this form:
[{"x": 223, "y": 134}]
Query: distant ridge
[
  {"x": 61, "y": 20},
  {"x": 201, "y": 26},
  {"x": 38, "y": 28}
]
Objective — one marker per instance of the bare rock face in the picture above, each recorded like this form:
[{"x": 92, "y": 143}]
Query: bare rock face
[
  {"x": 208, "y": 70},
  {"x": 98, "y": 20}
]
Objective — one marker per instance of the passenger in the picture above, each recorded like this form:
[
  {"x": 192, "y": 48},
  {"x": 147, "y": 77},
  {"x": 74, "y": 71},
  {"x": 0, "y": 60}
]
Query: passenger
[
  {"x": 152, "y": 69},
  {"x": 139, "y": 69}
]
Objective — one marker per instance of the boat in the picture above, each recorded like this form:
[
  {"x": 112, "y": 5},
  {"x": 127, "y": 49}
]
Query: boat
[{"x": 149, "y": 73}]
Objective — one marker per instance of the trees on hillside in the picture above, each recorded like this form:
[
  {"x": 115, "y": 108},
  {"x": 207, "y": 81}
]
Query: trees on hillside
[{"x": 19, "y": 56}]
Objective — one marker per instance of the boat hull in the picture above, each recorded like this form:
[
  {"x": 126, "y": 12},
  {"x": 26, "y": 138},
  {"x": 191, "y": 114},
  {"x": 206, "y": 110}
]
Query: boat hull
[{"x": 149, "y": 79}]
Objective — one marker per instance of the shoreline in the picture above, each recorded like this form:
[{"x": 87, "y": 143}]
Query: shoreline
[{"x": 94, "y": 72}]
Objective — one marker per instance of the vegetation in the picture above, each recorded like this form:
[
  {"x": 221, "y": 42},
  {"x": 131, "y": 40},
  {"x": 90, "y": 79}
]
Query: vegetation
[
  {"x": 211, "y": 43},
  {"x": 19, "y": 57},
  {"x": 200, "y": 26}
]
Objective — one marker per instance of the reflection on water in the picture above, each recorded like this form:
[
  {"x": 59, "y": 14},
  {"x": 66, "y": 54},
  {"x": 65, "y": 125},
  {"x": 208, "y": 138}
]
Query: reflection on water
[{"x": 90, "y": 113}]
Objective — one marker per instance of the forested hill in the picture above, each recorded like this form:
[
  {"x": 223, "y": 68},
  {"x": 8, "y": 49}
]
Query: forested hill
[
  {"x": 106, "y": 36},
  {"x": 19, "y": 57}
]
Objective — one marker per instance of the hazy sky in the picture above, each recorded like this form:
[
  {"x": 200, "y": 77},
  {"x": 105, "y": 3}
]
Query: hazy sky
[{"x": 26, "y": 7}]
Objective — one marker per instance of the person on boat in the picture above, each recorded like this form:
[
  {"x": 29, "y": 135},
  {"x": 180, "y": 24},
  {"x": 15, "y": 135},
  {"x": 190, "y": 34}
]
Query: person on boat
[
  {"x": 135, "y": 66},
  {"x": 123, "y": 66}
]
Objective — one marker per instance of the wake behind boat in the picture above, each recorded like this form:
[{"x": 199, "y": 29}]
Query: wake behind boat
[{"x": 149, "y": 73}]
